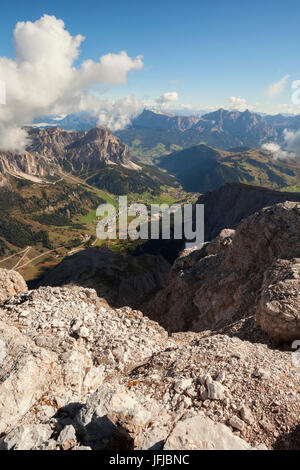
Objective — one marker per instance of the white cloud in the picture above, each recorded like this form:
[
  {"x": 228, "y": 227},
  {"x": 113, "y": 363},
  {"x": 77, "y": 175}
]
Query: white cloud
[
  {"x": 239, "y": 104},
  {"x": 42, "y": 79},
  {"x": 290, "y": 148},
  {"x": 119, "y": 114},
  {"x": 276, "y": 150},
  {"x": 276, "y": 88},
  {"x": 13, "y": 138},
  {"x": 292, "y": 142},
  {"x": 169, "y": 96}
]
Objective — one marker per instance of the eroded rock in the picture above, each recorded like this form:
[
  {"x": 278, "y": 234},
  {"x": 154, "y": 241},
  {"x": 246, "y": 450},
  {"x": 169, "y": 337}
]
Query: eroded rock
[{"x": 11, "y": 283}]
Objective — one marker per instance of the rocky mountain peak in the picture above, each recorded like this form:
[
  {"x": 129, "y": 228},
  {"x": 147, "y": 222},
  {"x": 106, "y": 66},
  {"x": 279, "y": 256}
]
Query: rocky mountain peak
[
  {"x": 259, "y": 263},
  {"x": 96, "y": 134},
  {"x": 51, "y": 141},
  {"x": 52, "y": 149},
  {"x": 98, "y": 146}
]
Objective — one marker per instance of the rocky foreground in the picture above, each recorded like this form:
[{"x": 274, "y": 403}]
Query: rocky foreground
[{"x": 76, "y": 373}]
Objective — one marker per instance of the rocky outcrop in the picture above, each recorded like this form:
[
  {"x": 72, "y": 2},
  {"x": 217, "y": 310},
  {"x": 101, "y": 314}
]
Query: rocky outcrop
[
  {"x": 11, "y": 282},
  {"x": 21, "y": 361},
  {"x": 278, "y": 309},
  {"x": 52, "y": 141},
  {"x": 200, "y": 433},
  {"x": 53, "y": 150},
  {"x": 253, "y": 271},
  {"x": 97, "y": 146},
  {"x": 70, "y": 341},
  {"x": 144, "y": 390},
  {"x": 225, "y": 207},
  {"x": 28, "y": 164}
]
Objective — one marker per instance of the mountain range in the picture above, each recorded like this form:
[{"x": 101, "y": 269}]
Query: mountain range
[
  {"x": 155, "y": 133},
  {"x": 53, "y": 150},
  {"x": 96, "y": 156},
  {"x": 49, "y": 192}
]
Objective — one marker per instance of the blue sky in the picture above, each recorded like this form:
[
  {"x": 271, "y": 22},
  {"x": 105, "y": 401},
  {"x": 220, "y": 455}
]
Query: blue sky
[{"x": 206, "y": 52}]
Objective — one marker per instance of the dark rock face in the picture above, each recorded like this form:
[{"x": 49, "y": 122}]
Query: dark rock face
[
  {"x": 227, "y": 206},
  {"x": 121, "y": 280},
  {"x": 223, "y": 208}
]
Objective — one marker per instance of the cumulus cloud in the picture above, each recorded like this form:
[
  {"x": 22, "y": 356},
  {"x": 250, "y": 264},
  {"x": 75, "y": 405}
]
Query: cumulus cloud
[
  {"x": 292, "y": 142},
  {"x": 120, "y": 113},
  {"x": 239, "y": 104},
  {"x": 276, "y": 88},
  {"x": 290, "y": 147},
  {"x": 13, "y": 138},
  {"x": 276, "y": 150},
  {"x": 43, "y": 78},
  {"x": 169, "y": 96}
]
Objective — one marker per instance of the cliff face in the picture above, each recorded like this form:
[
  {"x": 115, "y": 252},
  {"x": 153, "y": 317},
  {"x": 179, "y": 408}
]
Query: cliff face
[
  {"x": 243, "y": 125},
  {"x": 27, "y": 164},
  {"x": 121, "y": 280},
  {"x": 242, "y": 274},
  {"x": 96, "y": 147},
  {"x": 223, "y": 208},
  {"x": 227, "y": 206},
  {"x": 51, "y": 141},
  {"x": 52, "y": 150}
]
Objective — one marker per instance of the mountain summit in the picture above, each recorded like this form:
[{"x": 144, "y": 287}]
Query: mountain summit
[{"x": 53, "y": 150}]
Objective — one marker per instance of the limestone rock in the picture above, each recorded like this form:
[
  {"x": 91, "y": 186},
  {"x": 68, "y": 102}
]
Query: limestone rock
[
  {"x": 253, "y": 272},
  {"x": 200, "y": 433},
  {"x": 26, "y": 437},
  {"x": 236, "y": 423},
  {"x": 11, "y": 283},
  {"x": 246, "y": 415},
  {"x": 67, "y": 438},
  {"x": 278, "y": 310},
  {"x": 23, "y": 362},
  {"x": 109, "y": 414},
  {"x": 215, "y": 390}
]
